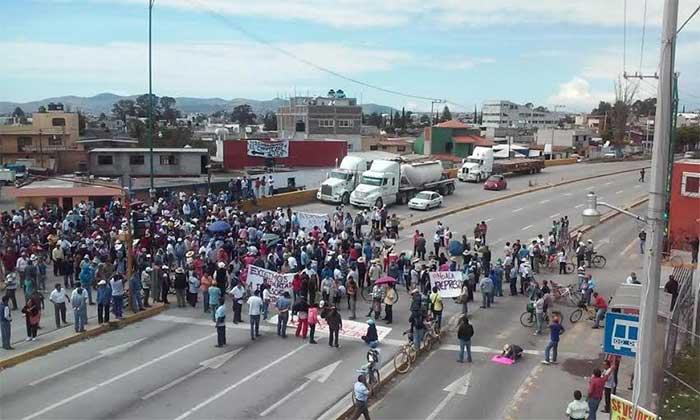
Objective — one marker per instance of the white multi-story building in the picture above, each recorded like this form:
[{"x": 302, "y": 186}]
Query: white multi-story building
[{"x": 505, "y": 114}]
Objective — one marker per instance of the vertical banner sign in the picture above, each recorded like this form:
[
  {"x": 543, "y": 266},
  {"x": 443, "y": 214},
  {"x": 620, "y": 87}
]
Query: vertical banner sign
[
  {"x": 279, "y": 283},
  {"x": 309, "y": 220},
  {"x": 449, "y": 283},
  {"x": 621, "y": 409},
  {"x": 268, "y": 149}
]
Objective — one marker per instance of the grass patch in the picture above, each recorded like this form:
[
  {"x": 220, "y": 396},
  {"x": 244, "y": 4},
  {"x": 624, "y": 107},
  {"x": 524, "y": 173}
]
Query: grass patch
[{"x": 678, "y": 402}]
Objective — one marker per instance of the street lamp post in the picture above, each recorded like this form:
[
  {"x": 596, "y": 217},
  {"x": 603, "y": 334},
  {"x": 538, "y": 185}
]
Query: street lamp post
[{"x": 152, "y": 190}]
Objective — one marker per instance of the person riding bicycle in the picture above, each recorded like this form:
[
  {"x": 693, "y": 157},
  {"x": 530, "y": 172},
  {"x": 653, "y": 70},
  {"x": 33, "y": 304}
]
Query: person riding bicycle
[
  {"x": 601, "y": 306},
  {"x": 371, "y": 338}
]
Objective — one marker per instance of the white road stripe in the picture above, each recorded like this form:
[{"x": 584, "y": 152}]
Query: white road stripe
[
  {"x": 608, "y": 183},
  {"x": 239, "y": 383},
  {"x": 555, "y": 215},
  {"x": 637, "y": 186},
  {"x": 527, "y": 227},
  {"x": 578, "y": 206},
  {"x": 628, "y": 247},
  {"x": 483, "y": 349},
  {"x": 116, "y": 378},
  {"x": 488, "y": 220},
  {"x": 568, "y": 194},
  {"x": 619, "y": 192},
  {"x": 545, "y": 201},
  {"x": 517, "y": 210}
]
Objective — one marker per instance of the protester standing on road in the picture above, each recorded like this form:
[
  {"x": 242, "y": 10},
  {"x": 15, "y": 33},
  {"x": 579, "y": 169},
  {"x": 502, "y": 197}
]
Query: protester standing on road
[
  {"x": 117, "y": 286},
  {"x": 58, "y": 298},
  {"x": 32, "y": 314},
  {"x": 146, "y": 283},
  {"x": 595, "y": 392},
  {"x": 577, "y": 409},
  {"x": 220, "y": 323},
  {"x": 641, "y": 175},
  {"x": 283, "y": 305},
  {"x": 237, "y": 296},
  {"x": 642, "y": 241},
  {"x": 601, "y": 308},
  {"x": 486, "y": 289},
  {"x": 610, "y": 384},
  {"x": 671, "y": 287},
  {"x": 180, "y": 285},
  {"x": 312, "y": 320},
  {"x": 79, "y": 300},
  {"x": 104, "y": 299},
  {"x": 11, "y": 288},
  {"x": 361, "y": 395},
  {"x": 6, "y": 323},
  {"x": 255, "y": 304},
  {"x": 335, "y": 324},
  {"x": 390, "y": 298},
  {"x": 555, "y": 330},
  {"x": 465, "y": 332},
  {"x": 436, "y": 307}
]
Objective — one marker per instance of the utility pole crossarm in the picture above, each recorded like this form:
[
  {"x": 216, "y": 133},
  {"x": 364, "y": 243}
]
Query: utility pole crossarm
[{"x": 623, "y": 211}]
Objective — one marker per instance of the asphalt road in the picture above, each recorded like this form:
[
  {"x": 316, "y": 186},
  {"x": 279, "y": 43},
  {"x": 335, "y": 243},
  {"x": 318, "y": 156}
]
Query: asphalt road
[
  {"x": 160, "y": 374},
  {"x": 529, "y": 389}
]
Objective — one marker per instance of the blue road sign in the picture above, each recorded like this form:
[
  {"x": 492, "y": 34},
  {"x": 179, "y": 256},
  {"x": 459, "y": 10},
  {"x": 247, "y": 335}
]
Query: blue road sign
[{"x": 621, "y": 334}]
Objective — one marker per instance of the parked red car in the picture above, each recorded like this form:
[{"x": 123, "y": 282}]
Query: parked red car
[{"x": 496, "y": 182}]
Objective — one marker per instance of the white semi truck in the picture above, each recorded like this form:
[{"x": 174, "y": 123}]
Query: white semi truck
[
  {"x": 481, "y": 164},
  {"x": 391, "y": 181},
  {"x": 341, "y": 182}
]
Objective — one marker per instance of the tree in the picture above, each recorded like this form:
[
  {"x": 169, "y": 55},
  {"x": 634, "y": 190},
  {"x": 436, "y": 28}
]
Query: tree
[
  {"x": 42, "y": 109},
  {"x": 424, "y": 120},
  {"x": 102, "y": 117},
  {"x": 270, "y": 121},
  {"x": 396, "y": 120},
  {"x": 218, "y": 114},
  {"x": 374, "y": 119},
  {"x": 124, "y": 108},
  {"x": 137, "y": 129},
  {"x": 446, "y": 114},
  {"x": 18, "y": 113},
  {"x": 644, "y": 107},
  {"x": 243, "y": 115},
  {"x": 142, "y": 106},
  {"x": 687, "y": 138},
  {"x": 170, "y": 113},
  {"x": 541, "y": 109},
  {"x": 624, "y": 95}
]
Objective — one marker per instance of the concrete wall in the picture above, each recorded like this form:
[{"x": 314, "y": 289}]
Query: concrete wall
[
  {"x": 187, "y": 164},
  {"x": 301, "y": 154}
]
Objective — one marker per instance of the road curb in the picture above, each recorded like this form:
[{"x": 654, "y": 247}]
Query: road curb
[
  {"x": 75, "y": 338},
  {"x": 451, "y": 211}
]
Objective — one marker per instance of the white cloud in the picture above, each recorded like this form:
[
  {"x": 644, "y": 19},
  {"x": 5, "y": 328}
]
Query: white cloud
[
  {"x": 373, "y": 13},
  {"x": 576, "y": 94},
  {"x": 464, "y": 63},
  {"x": 214, "y": 68}
]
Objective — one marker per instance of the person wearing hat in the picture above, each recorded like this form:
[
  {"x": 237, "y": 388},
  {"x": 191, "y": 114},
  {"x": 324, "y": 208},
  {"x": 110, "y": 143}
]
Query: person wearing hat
[
  {"x": 87, "y": 277},
  {"x": 104, "y": 301},
  {"x": 335, "y": 324},
  {"x": 180, "y": 285},
  {"x": 78, "y": 301},
  {"x": 371, "y": 338},
  {"x": 146, "y": 283}
]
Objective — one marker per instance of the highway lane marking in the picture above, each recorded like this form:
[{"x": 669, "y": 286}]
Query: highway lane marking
[
  {"x": 517, "y": 210},
  {"x": 619, "y": 192},
  {"x": 568, "y": 194},
  {"x": 545, "y": 201},
  {"x": 628, "y": 247},
  {"x": 527, "y": 227},
  {"x": 116, "y": 378},
  {"x": 239, "y": 383},
  {"x": 522, "y": 390},
  {"x": 555, "y": 215},
  {"x": 488, "y": 220},
  {"x": 460, "y": 386},
  {"x": 637, "y": 186},
  {"x": 608, "y": 183},
  {"x": 578, "y": 206},
  {"x": 490, "y": 350},
  {"x": 103, "y": 353}
]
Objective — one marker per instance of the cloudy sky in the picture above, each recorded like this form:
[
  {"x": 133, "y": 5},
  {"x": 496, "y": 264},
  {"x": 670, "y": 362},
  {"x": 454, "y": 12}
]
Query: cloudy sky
[{"x": 548, "y": 52}]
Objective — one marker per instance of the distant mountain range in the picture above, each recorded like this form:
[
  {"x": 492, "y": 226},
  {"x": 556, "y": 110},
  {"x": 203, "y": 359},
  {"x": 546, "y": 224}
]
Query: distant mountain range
[{"x": 103, "y": 103}]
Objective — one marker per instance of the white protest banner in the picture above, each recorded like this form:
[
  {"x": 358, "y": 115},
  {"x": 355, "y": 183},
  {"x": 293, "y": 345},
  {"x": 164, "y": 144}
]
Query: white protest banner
[
  {"x": 449, "y": 283},
  {"x": 309, "y": 220},
  {"x": 268, "y": 149},
  {"x": 279, "y": 283},
  {"x": 351, "y": 329}
]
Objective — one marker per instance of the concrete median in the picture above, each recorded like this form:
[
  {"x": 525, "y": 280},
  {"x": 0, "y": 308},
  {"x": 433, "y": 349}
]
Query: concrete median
[{"x": 59, "y": 343}]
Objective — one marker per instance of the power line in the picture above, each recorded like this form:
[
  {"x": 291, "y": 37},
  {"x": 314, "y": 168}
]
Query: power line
[
  {"x": 644, "y": 29},
  {"x": 319, "y": 67},
  {"x": 688, "y": 20}
]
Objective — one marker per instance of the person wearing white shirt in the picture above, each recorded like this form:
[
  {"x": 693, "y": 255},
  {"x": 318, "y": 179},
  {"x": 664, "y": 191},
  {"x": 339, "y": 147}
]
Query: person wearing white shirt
[
  {"x": 632, "y": 279},
  {"x": 58, "y": 298},
  {"x": 255, "y": 306},
  {"x": 577, "y": 409}
]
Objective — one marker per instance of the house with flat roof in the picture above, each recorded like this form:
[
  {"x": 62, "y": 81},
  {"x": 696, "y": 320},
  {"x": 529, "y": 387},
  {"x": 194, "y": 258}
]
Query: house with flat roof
[{"x": 135, "y": 162}]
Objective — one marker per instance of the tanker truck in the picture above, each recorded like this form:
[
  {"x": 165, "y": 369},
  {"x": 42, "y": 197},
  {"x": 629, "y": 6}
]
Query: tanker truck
[
  {"x": 390, "y": 181},
  {"x": 342, "y": 180}
]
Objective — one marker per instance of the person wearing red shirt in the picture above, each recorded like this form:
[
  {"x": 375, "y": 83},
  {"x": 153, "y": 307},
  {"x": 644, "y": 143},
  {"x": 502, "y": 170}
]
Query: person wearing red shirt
[
  {"x": 602, "y": 307},
  {"x": 595, "y": 392}
]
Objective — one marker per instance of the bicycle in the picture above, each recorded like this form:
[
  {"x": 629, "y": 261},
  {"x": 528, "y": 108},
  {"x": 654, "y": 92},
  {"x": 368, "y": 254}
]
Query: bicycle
[
  {"x": 598, "y": 261},
  {"x": 570, "y": 292},
  {"x": 371, "y": 373},
  {"x": 577, "y": 314},
  {"x": 432, "y": 336},
  {"x": 406, "y": 355}
]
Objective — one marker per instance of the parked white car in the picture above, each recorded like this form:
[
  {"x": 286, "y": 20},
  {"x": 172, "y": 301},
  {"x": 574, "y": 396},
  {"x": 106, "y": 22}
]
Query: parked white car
[{"x": 425, "y": 200}]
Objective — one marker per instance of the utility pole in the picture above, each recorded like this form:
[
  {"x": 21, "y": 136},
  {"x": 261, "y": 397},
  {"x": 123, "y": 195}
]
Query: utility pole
[
  {"x": 152, "y": 190},
  {"x": 644, "y": 363}
]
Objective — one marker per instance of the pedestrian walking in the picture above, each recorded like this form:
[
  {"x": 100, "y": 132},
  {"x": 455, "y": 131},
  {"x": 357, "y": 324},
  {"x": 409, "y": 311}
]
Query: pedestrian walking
[
  {"x": 555, "y": 331},
  {"x": 104, "y": 301},
  {"x": 283, "y": 305},
  {"x": 641, "y": 175},
  {"x": 58, "y": 298},
  {"x": 577, "y": 409},
  {"x": 220, "y": 323},
  {"x": 255, "y": 305},
  {"x": 6, "y": 323},
  {"x": 312, "y": 320},
  {"x": 465, "y": 332},
  {"x": 642, "y": 241},
  {"x": 79, "y": 301},
  {"x": 361, "y": 396}
]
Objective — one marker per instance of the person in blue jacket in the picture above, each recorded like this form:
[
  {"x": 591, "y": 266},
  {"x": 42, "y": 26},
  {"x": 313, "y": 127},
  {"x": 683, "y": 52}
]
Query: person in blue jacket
[{"x": 87, "y": 277}]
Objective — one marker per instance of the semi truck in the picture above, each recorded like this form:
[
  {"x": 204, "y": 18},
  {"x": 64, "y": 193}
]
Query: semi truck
[
  {"x": 481, "y": 164},
  {"x": 391, "y": 181},
  {"x": 341, "y": 182}
]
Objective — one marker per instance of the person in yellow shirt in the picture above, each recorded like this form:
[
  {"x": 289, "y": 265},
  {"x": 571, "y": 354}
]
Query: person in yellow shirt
[
  {"x": 436, "y": 306},
  {"x": 390, "y": 298}
]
